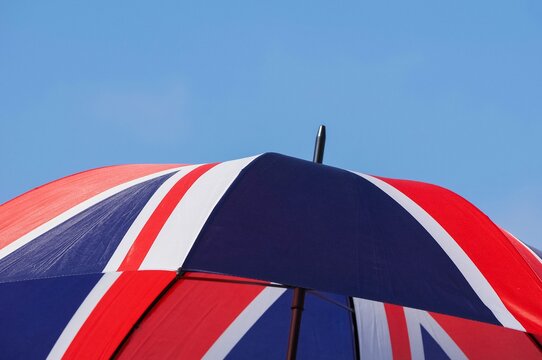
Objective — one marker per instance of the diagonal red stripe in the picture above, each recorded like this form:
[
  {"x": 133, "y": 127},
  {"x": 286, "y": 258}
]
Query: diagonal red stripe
[
  {"x": 148, "y": 234},
  {"x": 531, "y": 259},
  {"x": 480, "y": 341},
  {"x": 188, "y": 320},
  {"x": 116, "y": 313},
  {"x": 397, "y": 326}
]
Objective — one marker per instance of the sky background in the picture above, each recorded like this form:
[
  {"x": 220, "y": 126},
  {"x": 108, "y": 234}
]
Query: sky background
[{"x": 443, "y": 92}]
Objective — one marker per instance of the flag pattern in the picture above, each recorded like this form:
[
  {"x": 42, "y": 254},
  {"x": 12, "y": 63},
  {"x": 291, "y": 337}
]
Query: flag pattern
[
  {"x": 197, "y": 261},
  {"x": 394, "y": 332}
]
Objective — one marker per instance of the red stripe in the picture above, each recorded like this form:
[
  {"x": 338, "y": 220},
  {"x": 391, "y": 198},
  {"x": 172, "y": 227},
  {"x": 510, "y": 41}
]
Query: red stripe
[
  {"x": 480, "y": 341},
  {"x": 116, "y": 313},
  {"x": 189, "y": 319},
  {"x": 531, "y": 259},
  {"x": 36, "y": 207},
  {"x": 151, "y": 229},
  {"x": 493, "y": 254},
  {"x": 397, "y": 325}
]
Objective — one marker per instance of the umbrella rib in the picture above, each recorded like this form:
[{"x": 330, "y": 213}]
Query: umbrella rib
[
  {"x": 354, "y": 322},
  {"x": 260, "y": 283},
  {"x": 325, "y": 298},
  {"x": 244, "y": 282}
]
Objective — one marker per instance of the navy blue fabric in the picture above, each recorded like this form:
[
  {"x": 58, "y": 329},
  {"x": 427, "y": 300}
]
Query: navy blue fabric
[
  {"x": 34, "y": 313},
  {"x": 84, "y": 243},
  {"x": 431, "y": 349},
  {"x": 326, "y": 329},
  {"x": 268, "y": 337},
  {"x": 298, "y": 223},
  {"x": 325, "y": 332}
]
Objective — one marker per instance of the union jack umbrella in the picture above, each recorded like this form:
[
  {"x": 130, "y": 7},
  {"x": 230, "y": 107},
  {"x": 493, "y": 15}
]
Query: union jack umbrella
[{"x": 206, "y": 261}]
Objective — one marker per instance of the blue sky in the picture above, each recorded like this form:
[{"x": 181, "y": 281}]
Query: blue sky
[{"x": 444, "y": 92}]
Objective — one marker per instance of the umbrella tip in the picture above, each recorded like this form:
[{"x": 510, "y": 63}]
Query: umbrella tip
[
  {"x": 319, "y": 145},
  {"x": 321, "y": 130}
]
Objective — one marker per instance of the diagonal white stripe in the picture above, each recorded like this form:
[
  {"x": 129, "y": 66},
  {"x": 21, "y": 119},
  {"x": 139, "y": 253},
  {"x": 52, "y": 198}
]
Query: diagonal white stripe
[
  {"x": 81, "y": 315},
  {"x": 415, "y": 319},
  {"x": 136, "y": 227},
  {"x": 242, "y": 324},
  {"x": 373, "y": 330},
  {"x": 40, "y": 230},
  {"x": 180, "y": 231},
  {"x": 465, "y": 265}
]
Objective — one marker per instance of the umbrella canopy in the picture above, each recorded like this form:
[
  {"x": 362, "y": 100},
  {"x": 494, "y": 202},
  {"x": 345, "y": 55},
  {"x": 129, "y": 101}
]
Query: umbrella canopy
[
  {"x": 394, "y": 332},
  {"x": 109, "y": 261}
]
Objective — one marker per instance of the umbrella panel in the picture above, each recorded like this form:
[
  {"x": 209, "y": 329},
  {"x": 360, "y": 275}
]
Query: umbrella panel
[{"x": 202, "y": 319}]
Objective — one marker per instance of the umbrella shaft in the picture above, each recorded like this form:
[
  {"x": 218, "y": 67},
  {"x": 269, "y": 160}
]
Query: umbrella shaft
[
  {"x": 299, "y": 293},
  {"x": 297, "y": 310}
]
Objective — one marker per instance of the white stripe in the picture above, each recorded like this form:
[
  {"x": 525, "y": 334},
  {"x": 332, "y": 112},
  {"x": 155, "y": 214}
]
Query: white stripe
[
  {"x": 82, "y": 314},
  {"x": 415, "y": 319},
  {"x": 373, "y": 331},
  {"x": 136, "y": 227},
  {"x": 40, "y": 230},
  {"x": 242, "y": 324},
  {"x": 180, "y": 231},
  {"x": 465, "y": 265}
]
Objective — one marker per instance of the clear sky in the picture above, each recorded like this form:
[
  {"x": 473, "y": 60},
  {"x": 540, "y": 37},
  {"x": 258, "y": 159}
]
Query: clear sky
[{"x": 445, "y": 92}]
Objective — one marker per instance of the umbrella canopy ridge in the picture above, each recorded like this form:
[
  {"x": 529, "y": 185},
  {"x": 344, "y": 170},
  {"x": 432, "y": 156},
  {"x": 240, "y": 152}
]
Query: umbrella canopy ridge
[{"x": 77, "y": 251}]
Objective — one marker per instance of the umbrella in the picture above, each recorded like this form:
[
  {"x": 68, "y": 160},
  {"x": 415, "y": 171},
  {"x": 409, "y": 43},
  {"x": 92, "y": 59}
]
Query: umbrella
[{"x": 171, "y": 260}]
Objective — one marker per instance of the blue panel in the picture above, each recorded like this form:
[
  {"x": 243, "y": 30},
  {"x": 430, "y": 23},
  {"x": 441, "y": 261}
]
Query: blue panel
[
  {"x": 294, "y": 222},
  {"x": 326, "y": 329},
  {"x": 84, "y": 243},
  {"x": 34, "y": 313},
  {"x": 325, "y": 333},
  {"x": 431, "y": 349},
  {"x": 268, "y": 338}
]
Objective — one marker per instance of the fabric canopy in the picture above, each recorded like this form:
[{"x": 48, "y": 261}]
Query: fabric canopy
[{"x": 87, "y": 259}]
